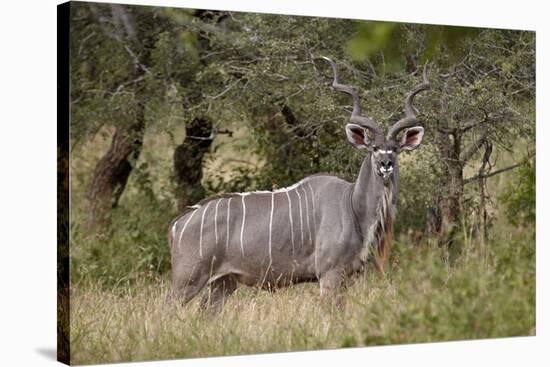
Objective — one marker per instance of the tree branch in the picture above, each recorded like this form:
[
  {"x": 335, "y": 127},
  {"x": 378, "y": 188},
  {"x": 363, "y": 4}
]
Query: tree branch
[
  {"x": 137, "y": 63},
  {"x": 474, "y": 148},
  {"x": 222, "y": 93},
  {"x": 119, "y": 12},
  {"x": 470, "y": 124},
  {"x": 120, "y": 15},
  {"x": 490, "y": 174}
]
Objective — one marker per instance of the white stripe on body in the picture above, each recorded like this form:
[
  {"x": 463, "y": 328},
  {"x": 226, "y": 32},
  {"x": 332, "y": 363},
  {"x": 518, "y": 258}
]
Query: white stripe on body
[
  {"x": 202, "y": 226},
  {"x": 174, "y": 230},
  {"x": 271, "y": 223},
  {"x": 185, "y": 226},
  {"x": 312, "y": 207},
  {"x": 307, "y": 214},
  {"x": 227, "y": 235},
  {"x": 216, "y": 221},
  {"x": 314, "y": 225},
  {"x": 301, "y": 220},
  {"x": 290, "y": 218},
  {"x": 242, "y": 226}
]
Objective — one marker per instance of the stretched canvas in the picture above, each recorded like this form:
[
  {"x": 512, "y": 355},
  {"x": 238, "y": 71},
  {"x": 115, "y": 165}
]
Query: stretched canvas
[{"x": 239, "y": 183}]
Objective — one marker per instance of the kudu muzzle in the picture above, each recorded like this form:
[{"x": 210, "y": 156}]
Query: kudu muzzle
[
  {"x": 384, "y": 164},
  {"x": 386, "y": 169}
]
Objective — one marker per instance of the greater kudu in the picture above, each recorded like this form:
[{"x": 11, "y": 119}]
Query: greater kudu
[{"x": 319, "y": 229}]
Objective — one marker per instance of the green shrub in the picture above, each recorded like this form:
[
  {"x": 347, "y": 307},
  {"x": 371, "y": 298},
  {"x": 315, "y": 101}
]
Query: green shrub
[
  {"x": 519, "y": 196},
  {"x": 136, "y": 246}
]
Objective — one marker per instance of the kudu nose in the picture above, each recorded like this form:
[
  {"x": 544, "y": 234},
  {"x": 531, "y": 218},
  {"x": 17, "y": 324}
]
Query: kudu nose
[{"x": 386, "y": 168}]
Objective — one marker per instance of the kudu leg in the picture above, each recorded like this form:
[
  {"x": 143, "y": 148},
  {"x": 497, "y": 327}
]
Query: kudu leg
[
  {"x": 331, "y": 285},
  {"x": 217, "y": 292},
  {"x": 186, "y": 285}
]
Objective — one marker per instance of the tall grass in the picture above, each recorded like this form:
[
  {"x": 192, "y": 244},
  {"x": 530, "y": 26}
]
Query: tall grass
[{"x": 487, "y": 292}]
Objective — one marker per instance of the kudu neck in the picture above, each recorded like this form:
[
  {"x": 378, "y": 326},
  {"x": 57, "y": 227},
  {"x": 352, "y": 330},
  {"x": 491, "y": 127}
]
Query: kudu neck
[{"x": 368, "y": 190}]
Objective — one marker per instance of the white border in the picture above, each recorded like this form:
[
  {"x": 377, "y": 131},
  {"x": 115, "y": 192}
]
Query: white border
[{"x": 28, "y": 191}]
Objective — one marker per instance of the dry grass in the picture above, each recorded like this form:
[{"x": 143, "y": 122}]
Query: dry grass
[{"x": 488, "y": 292}]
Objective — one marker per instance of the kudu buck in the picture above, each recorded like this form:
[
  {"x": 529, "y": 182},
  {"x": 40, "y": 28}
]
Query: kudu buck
[{"x": 319, "y": 229}]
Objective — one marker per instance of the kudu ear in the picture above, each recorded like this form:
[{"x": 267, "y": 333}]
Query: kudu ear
[
  {"x": 412, "y": 138},
  {"x": 357, "y": 135}
]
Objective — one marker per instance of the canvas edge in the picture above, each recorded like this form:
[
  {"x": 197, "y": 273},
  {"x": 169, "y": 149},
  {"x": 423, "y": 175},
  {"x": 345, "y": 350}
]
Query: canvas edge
[{"x": 63, "y": 116}]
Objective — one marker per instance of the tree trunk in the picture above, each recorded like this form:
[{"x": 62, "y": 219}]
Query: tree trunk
[
  {"x": 450, "y": 203},
  {"x": 291, "y": 137},
  {"x": 444, "y": 219},
  {"x": 483, "y": 226},
  {"x": 112, "y": 171},
  {"x": 188, "y": 158},
  {"x": 448, "y": 210}
]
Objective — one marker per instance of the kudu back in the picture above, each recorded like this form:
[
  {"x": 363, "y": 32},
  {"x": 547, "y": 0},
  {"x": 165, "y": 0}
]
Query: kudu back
[{"x": 321, "y": 229}]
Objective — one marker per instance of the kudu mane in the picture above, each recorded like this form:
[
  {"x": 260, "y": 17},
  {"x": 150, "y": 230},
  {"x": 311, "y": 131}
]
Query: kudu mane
[{"x": 383, "y": 233}]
